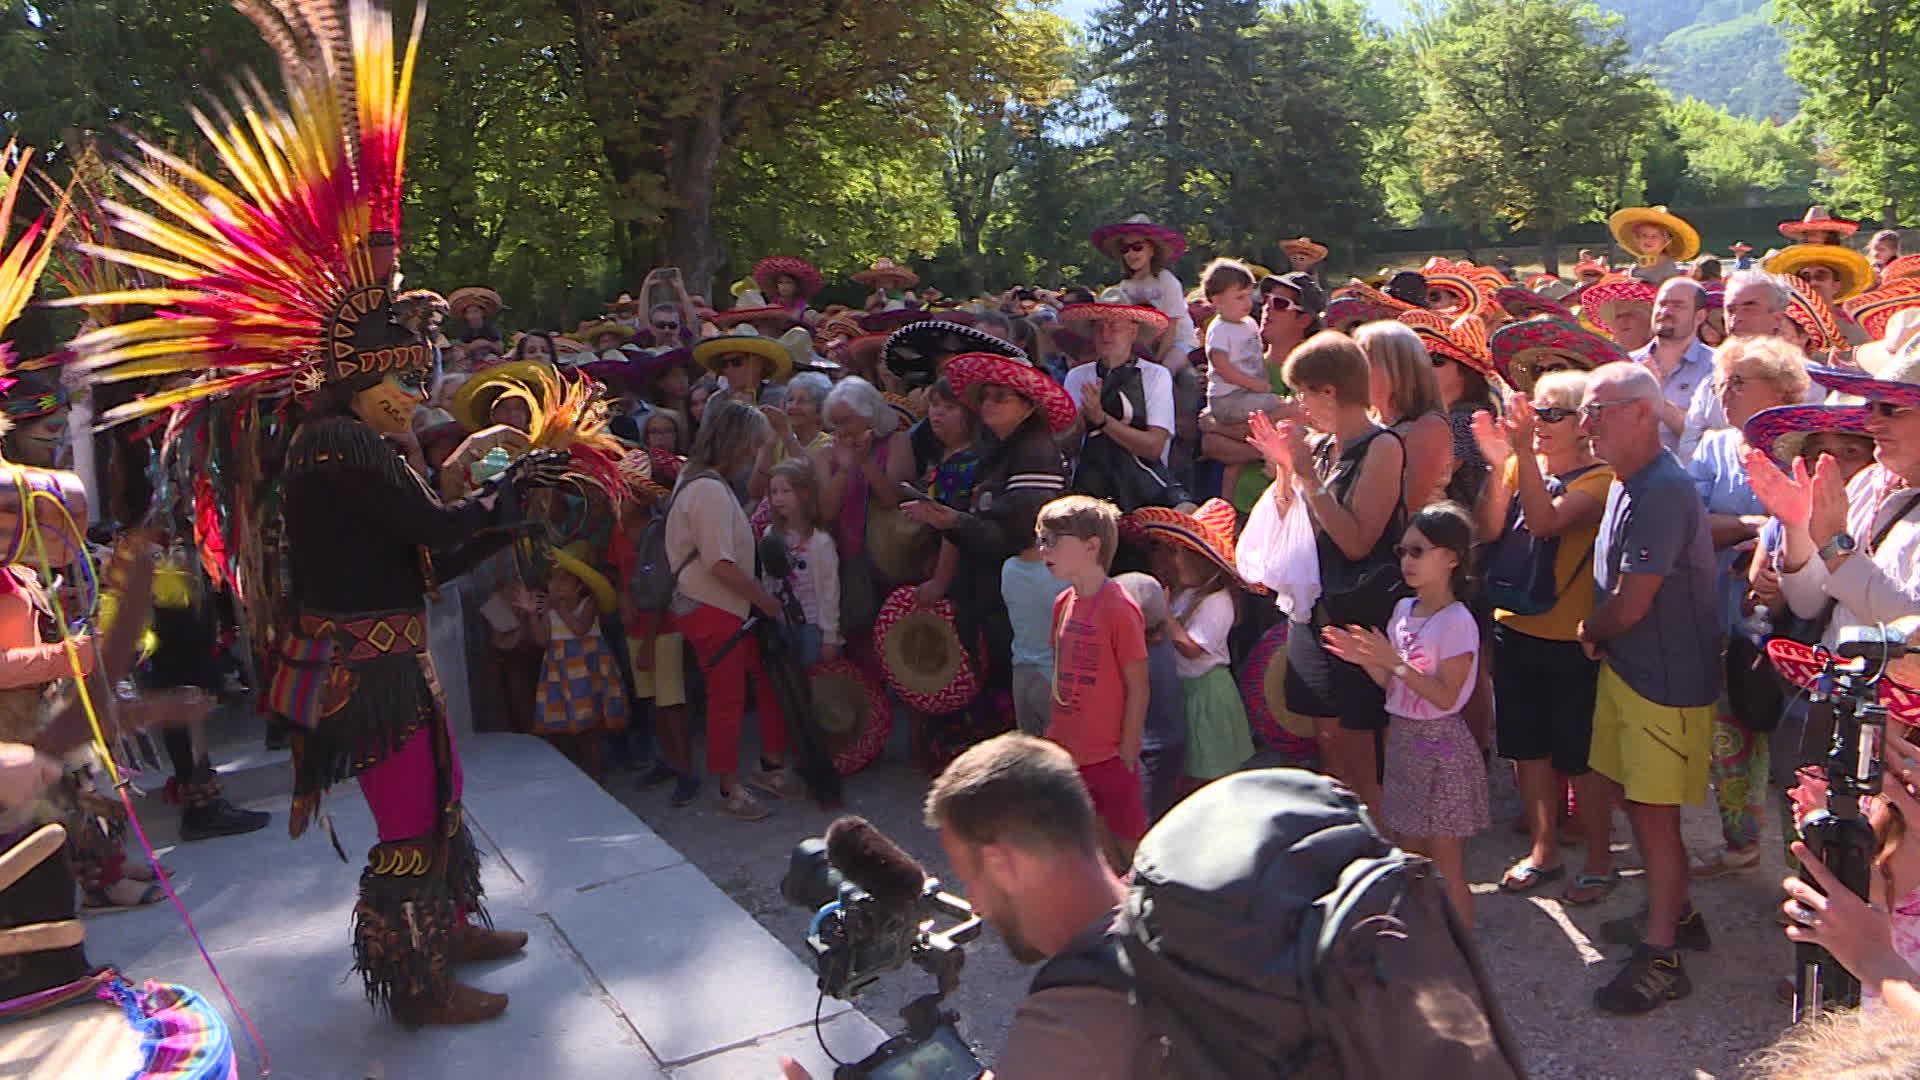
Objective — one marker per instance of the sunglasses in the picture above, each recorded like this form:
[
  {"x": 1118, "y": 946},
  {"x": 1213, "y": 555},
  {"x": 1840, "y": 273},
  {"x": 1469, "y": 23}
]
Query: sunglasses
[
  {"x": 1281, "y": 303},
  {"x": 1136, "y": 245},
  {"x": 1551, "y": 414},
  {"x": 1592, "y": 409},
  {"x": 666, "y": 326},
  {"x": 1411, "y": 551}
]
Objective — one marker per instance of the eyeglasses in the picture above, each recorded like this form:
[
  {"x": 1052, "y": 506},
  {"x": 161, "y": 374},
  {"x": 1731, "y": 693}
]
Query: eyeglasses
[
  {"x": 1136, "y": 245},
  {"x": 666, "y": 326},
  {"x": 1551, "y": 414},
  {"x": 1735, "y": 383},
  {"x": 1047, "y": 541},
  {"x": 1592, "y": 409},
  {"x": 1887, "y": 410},
  {"x": 1410, "y": 551},
  {"x": 1281, "y": 303}
]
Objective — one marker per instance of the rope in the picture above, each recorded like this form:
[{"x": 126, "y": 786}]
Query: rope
[{"x": 30, "y": 526}]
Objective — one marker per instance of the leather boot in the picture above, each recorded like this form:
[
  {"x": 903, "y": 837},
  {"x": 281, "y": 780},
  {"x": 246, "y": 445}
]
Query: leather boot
[
  {"x": 472, "y": 944},
  {"x": 205, "y": 813},
  {"x": 462, "y": 1005}
]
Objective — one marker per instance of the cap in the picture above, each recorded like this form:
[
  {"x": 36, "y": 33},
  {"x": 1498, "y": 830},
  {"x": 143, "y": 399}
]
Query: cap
[{"x": 1303, "y": 285}]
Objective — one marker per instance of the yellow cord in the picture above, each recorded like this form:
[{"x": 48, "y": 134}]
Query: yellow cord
[{"x": 30, "y": 526}]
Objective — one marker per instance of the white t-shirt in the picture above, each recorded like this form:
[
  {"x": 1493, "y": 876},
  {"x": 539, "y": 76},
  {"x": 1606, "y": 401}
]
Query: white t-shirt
[
  {"x": 1240, "y": 340},
  {"x": 1164, "y": 292},
  {"x": 1423, "y": 642},
  {"x": 1156, "y": 380},
  {"x": 1208, "y": 622}
]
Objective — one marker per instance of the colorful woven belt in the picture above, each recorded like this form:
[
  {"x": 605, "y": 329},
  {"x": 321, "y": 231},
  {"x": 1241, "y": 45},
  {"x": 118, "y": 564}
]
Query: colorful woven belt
[{"x": 363, "y": 637}]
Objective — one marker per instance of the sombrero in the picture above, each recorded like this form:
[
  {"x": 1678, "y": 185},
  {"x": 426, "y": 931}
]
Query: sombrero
[
  {"x": 1714, "y": 294},
  {"x": 636, "y": 468},
  {"x": 840, "y": 324},
  {"x": 650, "y": 364},
  {"x": 1519, "y": 348},
  {"x": 913, "y": 352},
  {"x": 1263, "y": 685},
  {"x": 473, "y": 403},
  {"x": 1349, "y": 312},
  {"x": 1906, "y": 266},
  {"x": 478, "y": 296},
  {"x": 886, "y": 322},
  {"x": 922, "y": 656},
  {"x": 1449, "y": 276},
  {"x": 798, "y": 342},
  {"x": 850, "y": 708},
  {"x": 1898, "y": 333},
  {"x": 1463, "y": 340},
  {"x": 1855, "y": 272},
  {"x": 1208, "y": 530},
  {"x": 1148, "y": 322},
  {"x": 587, "y": 331},
  {"x": 1683, "y": 240},
  {"x": 1897, "y": 382},
  {"x": 968, "y": 372},
  {"x": 1596, "y": 300},
  {"x": 768, "y": 271},
  {"x": 1805, "y": 668},
  {"x": 1783, "y": 430},
  {"x": 767, "y": 319},
  {"x": 568, "y": 352},
  {"x": 1740, "y": 247},
  {"x": 744, "y": 339},
  {"x": 666, "y": 466},
  {"x": 1304, "y": 245},
  {"x": 1171, "y": 242},
  {"x": 909, "y": 412},
  {"x": 1816, "y": 317},
  {"x": 1550, "y": 286},
  {"x": 626, "y": 303},
  {"x": 887, "y": 274},
  {"x": 859, "y": 352},
  {"x": 1872, "y": 309},
  {"x": 1589, "y": 266},
  {"x": 1815, "y": 224},
  {"x": 1523, "y": 303},
  {"x": 573, "y": 559}
]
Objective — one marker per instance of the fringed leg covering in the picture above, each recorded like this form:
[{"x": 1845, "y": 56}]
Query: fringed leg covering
[
  {"x": 463, "y": 870},
  {"x": 402, "y": 927}
]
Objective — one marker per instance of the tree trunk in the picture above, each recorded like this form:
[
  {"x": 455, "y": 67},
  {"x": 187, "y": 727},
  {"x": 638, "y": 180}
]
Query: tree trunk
[
  {"x": 691, "y": 243},
  {"x": 1549, "y": 252}
]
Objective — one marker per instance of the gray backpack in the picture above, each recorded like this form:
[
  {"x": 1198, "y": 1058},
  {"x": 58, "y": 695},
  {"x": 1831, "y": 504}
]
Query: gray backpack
[{"x": 1272, "y": 932}]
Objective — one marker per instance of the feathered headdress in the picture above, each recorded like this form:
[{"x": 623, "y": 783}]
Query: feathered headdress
[
  {"x": 283, "y": 279},
  {"x": 571, "y": 416},
  {"x": 21, "y": 260}
]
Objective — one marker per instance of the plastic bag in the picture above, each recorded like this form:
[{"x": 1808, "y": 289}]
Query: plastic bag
[{"x": 1278, "y": 550}]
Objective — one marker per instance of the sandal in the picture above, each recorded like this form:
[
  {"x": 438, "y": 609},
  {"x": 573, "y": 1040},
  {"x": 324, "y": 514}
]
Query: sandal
[
  {"x": 117, "y": 898},
  {"x": 743, "y": 806},
  {"x": 1524, "y": 877},
  {"x": 1591, "y": 888}
]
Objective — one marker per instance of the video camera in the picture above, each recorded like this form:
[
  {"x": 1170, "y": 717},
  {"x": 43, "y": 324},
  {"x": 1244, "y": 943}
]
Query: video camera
[
  {"x": 875, "y": 909},
  {"x": 1845, "y": 709}
]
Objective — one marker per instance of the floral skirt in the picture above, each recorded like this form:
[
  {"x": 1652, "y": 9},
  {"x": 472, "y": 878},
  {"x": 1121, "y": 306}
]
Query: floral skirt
[
  {"x": 579, "y": 689},
  {"x": 1436, "y": 780}
]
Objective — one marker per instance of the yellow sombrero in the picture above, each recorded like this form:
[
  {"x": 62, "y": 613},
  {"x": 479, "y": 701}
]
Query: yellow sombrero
[
  {"x": 744, "y": 339},
  {"x": 1855, "y": 272},
  {"x": 474, "y": 400},
  {"x": 1683, "y": 240},
  {"x": 573, "y": 559}
]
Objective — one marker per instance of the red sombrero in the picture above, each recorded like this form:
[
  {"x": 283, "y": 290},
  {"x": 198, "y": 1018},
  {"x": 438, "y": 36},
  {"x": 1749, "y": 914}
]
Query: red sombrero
[
  {"x": 860, "y": 352},
  {"x": 768, "y": 271},
  {"x": 1816, "y": 317},
  {"x": 1519, "y": 348},
  {"x": 1208, "y": 530},
  {"x": 1770, "y": 429},
  {"x": 1148, "y": 322},
  {"x": 1457, "y": 278},
  {"x": 1905, "y": 266},
  {"x": 886, "y": 274},
  {"x": 1898, "y": 382},
  {"x": 1171, "y": 242},
  {"x": 1525, "y": 303},
  {"x": 636, "y": 468},
  {"x": 1304, "y": 245},
  {"x": 922, "y": 655},
  {"x": 1263, "y": 685},
  {"x": 850, "y": 708},
  {"x": 969, "y": 371},
  {"x": 1872, "y": 310},
  {"x": 1801, "y": 665},
  {"x": 1349, "y": 312},
  {"x": 478, "y": 296},
  {"x": 1817, "y": 223},
  {"x": 1463, "y": 340},
  {"x": 1597, "y": 298},
  {"x": 771, "y": 321},
  {"x": 886, "y": 322}
]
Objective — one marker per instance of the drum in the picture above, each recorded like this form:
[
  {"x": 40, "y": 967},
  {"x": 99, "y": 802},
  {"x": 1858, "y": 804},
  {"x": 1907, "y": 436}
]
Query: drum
[
  {"x": 1262, "y": 684},
  {"x": 154, "y": 1031}
]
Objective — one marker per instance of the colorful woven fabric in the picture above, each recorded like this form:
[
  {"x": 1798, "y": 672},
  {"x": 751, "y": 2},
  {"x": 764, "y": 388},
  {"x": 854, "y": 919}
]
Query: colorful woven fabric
[
  {"x": 579, "y": 688},
  {"x": 182, "y": 1036}
]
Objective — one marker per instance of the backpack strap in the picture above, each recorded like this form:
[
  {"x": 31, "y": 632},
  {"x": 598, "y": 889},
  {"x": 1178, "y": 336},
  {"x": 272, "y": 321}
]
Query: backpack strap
[{"x": 1104, "y": 965}]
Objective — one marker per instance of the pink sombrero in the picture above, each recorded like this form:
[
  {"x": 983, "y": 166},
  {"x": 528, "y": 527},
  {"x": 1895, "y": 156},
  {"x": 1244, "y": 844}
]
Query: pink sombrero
[
  {"x": 1525, "y": 303},
  {"x": 1263, "y": 684},
  {"x": 1780, "y": 431},
  {"x": 1208, "y": 531},
  {"x": 1874, "y": 309},
  {"x": 1597, "y": 299},
  {"x": 1519, "y": 348},
  {"x": 636, "y": 468},
  {"x": 922, "y": 655},
  {"x": 1171, "y": 242},
  {"x": 1897, "y": 381},
  {"x": 968, "y": 372},
  {"x": 850, "y": 707},
  {"x": 1463, "y": 340},
  {"x": 1148, "y": 322},
  {"x": 1801, "y": 665},
  {"x": 768, "y": 272},
  {"x": 1815, "y": 224}
]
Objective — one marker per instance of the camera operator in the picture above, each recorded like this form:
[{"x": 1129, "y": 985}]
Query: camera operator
[{"x": 1018, "y": 827}]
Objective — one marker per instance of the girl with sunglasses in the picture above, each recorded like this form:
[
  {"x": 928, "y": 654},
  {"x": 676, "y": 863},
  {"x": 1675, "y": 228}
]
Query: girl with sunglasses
[{"x": 1147, "y": 252}]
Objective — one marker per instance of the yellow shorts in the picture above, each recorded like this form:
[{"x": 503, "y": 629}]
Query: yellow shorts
[
  {"x": 664, "y": 680},
  {"x": 1658, "y": 753}
]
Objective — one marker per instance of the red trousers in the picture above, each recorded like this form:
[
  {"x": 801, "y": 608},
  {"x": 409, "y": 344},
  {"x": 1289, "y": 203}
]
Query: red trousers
[{"x": 707, "y": 628}]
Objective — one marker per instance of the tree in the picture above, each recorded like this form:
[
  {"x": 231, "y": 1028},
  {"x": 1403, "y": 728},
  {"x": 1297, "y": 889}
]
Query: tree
[
  {"x": 1731, "y": 161},
  {"x": 1862, "y": 77},
  {"x": 1521, "y": 98}
]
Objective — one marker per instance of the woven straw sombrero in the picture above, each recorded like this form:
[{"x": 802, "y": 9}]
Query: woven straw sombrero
[
  {"x": 1306, "y": 246},
  {"x": 478, "y": 296},
  {"x": 1816, "y": 317},
  {"x": 968, "y": 372},
  {"x": 1525, "y": 303},
  {"x": 744, "y": 339},
  {"x": 1349, "y": 312},
  {"x": 886, "y": 274},
  {"x": 910, "y": 413},
  {"x": 922, "y": 656},
  {"x": 767, "y": 319},
  {"x": 1683, "y": 240},
  {"x": 573, "y": 559},
  {"x": 587, "y": 331},
  {"x": 768, "y": 272},
  {"x": 1597, "y": 300},
  {"x": 1897, "y": 382},
  {"x": 1873, "y": 309},
  {"x": 1906, "y": 266},
  {"x": 1455, "y": 278},
  {"x": 472, "y": 404},
  {"x": 1853, "y": 269},
  {"x": 1171, "y": 242},
  {"x": 1520, "y": 348},
  {"x": 850, "y": 707},
  {"x": 1208, "y": 530},
  {"x": 1463, "y": 340},
  {"x": 901, "y": 548},
  {"x": 1148, "y": 322},
  {"x": 1263, "y": 685},
  {"x": 1781, "y": 431},
  {"x": 1818, "y": 226}
]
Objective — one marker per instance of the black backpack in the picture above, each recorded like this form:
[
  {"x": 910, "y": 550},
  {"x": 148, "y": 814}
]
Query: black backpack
[
  {"x": 655, "y": 579},
  {"x": 1271, "y": 932},
  {"x": 1520, "y": 566}
]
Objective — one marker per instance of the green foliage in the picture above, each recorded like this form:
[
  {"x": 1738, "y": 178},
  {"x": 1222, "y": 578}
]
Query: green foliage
[
  {"x": 1729, "y": 160},
  {"x": 1856, "y": 59}
]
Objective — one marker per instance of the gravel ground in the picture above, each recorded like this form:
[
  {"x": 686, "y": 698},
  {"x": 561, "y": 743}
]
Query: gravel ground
[{"x": 1544, "y": 957}]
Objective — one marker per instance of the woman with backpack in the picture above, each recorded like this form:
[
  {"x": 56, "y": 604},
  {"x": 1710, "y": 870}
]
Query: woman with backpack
[{"x": 1542, "y": 504}]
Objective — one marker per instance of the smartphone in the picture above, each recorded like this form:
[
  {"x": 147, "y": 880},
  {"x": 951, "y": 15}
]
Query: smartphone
[{"x": 670, "y": 273}]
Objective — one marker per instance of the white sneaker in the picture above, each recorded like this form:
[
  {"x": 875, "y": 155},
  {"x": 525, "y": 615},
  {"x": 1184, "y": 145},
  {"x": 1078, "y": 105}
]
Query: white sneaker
[{"x": 1723, "y": 862}]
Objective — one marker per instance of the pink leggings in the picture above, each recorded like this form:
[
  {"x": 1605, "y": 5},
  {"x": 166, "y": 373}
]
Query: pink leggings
[
  {"x": 401, "y": 791},
  {"x": 707, "y": 628}
]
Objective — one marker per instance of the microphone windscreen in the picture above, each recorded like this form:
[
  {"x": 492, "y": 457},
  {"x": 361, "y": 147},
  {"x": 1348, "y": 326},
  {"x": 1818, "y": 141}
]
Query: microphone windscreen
[
  {"x": 773, "y": 556},
  {"x": 865, "y": 856}
]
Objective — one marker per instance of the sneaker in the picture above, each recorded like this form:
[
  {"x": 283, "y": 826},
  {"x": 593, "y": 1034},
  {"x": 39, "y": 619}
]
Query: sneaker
[
  {"x": 685, "y": 790},
  {"x": 1649, "y": 980},
  {"x": 1632, "y": 930},
  {"x": 780, "y": 783},
  {"x": 1723, "y": 862},
  {"x": 659, "y": 774},
  {"x": 741, "y": 805}
]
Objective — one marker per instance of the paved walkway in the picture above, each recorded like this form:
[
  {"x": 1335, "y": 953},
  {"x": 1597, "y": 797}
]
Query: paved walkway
[{"x": 638, "y": 966}]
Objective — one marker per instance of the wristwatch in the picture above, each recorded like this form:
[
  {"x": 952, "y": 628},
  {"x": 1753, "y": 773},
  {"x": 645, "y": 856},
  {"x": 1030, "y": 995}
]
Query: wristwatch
[
  {"x": 1402, "y": 669},
  {"x": 1839, "y": 544}
]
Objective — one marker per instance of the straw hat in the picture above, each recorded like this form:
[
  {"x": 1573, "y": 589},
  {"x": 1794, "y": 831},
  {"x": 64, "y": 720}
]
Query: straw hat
[
  {"x": 573, "y": 559},
  {"x": 1816, "y": 317},
  {"x": 1783, "y": 430},
  {"x": 850, "y": 707},
  {"x": 478, "y": 296},
  {"x": 1520, "y": 348},
  {"x": 1208, "y": 530},
  {"x": 922, "y": 655},
  {"x": 1304, "y": 246},
  {"x": 1171, "y": 242},
  {"x": 472, "y": 404},
  {"x": 968, "y": 372},
  {"x": 744, "y": 339},
  {"x": 1853, "y": 269},
  {"x": 587, "y": 331},
  {"x": 1818, "y": 226},
  {"x": 766, "y": 319},
  {"x": 1873, "y": 309},
  {"x": 1463, "y": 340},
  {"x": 768, "y": 272},
  {"x": 1523, "y": 303},
  {"x": 1683, "y": 241},
  {"x": 887, "y": 274},
  {"x": 1263, "y": 685}
]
